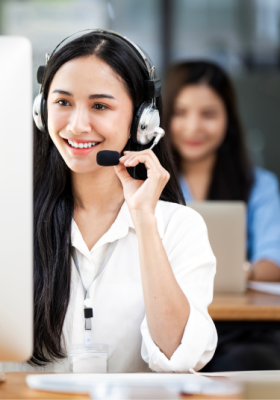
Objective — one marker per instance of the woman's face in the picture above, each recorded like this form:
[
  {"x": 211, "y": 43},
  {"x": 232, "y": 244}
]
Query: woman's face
[
  {"x": 89, "y": 110},
  {"x": 199, "y": 122}
]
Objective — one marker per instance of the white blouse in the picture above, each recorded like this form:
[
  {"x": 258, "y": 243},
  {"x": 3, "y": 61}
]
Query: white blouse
[{"x": 117, "y": 297}]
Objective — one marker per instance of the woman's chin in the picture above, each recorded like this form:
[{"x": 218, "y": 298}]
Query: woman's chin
[
  {"x": 193, "y": 155},
  {"x": 82, "y": 168}
]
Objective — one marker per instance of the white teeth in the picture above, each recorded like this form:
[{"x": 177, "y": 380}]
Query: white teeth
[{"x": 81, "y": 145}]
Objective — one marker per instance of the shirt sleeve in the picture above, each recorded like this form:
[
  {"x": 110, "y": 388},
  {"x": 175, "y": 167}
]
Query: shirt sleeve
[
  {"x": 194, "y": 266},
  {"x": 264, "y": 219}
]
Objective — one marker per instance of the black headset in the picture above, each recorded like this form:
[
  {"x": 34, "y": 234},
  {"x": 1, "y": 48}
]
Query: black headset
[{"x": 146, "y": 120}]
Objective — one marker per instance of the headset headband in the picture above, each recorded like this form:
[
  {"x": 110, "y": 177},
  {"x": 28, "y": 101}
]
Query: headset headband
[
  {"x": 152, "y": 85},
  {"x": 124, "y": 39}
]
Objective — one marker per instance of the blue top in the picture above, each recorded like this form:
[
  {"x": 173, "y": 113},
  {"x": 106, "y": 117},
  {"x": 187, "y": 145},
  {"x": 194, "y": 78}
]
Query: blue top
[{"x": 263, "y": 217}]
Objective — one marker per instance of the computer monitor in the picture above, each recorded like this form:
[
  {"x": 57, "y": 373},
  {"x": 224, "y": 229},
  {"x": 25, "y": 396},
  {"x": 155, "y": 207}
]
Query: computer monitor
[{"x": 16, "y": 265}]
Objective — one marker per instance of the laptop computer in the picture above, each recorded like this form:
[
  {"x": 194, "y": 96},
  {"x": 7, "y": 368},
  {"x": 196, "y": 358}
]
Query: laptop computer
[{"x": 226, "y": 224}]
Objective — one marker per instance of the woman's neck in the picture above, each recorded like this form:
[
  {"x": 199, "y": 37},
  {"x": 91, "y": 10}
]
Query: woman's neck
[
  {"x": 198, "y": 175},
  {"x": 100, "y": 190}
]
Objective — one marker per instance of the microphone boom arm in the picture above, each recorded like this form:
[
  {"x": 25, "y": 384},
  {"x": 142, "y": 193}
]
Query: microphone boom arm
[{"x": 159, "y": 133}]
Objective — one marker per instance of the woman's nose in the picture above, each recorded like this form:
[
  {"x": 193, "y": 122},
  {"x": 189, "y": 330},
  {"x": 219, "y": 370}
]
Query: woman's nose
[
  {"x": 79, "y": 121},
  {"x": 192, "y": 125}
]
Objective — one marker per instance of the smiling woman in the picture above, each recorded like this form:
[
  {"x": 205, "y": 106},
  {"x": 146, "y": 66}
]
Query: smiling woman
[
  {"x": 121, "y": 265},
  {"x": 81, "y": 122}
]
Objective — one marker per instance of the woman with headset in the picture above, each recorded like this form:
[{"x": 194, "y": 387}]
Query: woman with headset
[
  {"x": 208, "y": 145},
  {"x": 123, "y": 271}
]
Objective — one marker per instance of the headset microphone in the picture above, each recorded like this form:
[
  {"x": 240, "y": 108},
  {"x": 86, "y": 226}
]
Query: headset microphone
[{"x": 107, "y": 158}]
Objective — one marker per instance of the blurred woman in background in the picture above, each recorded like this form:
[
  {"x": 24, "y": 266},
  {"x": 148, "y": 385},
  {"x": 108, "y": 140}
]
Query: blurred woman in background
[{"x": 207, "y": 139}]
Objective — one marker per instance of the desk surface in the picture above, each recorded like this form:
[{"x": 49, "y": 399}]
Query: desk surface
[
  {"x": 250, "y": 306},
  {"x": 15, "y": 387}
]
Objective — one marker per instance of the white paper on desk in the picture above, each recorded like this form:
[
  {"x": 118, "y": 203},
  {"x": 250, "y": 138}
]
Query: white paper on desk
[
  {"x": 122, "y": 386},
  {"x": 245, "y": 376},
  {"x": 267, "y": 287}
]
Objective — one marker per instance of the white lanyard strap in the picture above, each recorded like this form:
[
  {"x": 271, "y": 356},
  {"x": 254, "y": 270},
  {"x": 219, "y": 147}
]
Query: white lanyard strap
[{"x": 103, "y": 264}]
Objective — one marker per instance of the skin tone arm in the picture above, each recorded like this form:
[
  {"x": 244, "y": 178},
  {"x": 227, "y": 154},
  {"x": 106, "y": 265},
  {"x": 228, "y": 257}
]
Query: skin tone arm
[
  {"x": 167, "y": 308},
  {"x": 265, "y": 270}
]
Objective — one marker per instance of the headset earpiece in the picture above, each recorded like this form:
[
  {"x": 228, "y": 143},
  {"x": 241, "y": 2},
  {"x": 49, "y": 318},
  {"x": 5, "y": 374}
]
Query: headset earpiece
[
  {"x": 145, "y": 122},
  {"x": 44, "y": 115},
  {"x": 39, "y": 113},
  {"x": 40, "y": 74}
]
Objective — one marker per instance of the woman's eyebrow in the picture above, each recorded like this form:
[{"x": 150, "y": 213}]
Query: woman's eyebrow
[
  {"x": 91, "y": 96},
  {"x": 63, "y": 92},
  {"x": 101, "y": 96}
]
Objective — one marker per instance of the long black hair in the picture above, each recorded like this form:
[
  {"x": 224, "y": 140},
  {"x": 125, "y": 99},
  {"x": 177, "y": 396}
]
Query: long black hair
[
  {"x": 53, "y": 198},
  {"x": 232, "y": 176}
]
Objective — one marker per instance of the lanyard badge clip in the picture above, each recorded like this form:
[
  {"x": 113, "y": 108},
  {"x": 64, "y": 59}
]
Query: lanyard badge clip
[
  {"x": 88, "y": 314},
  {"x": 88, "y": 311}
]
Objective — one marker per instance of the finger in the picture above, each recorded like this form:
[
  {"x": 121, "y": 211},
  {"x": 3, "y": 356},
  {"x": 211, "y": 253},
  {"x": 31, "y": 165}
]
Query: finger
[
  {"x": 122, "y": 173},
  {"x": 151, "y": 162},
  {"x": 131, "y": 154},
  {"x": 137, "y": 158},
  {"x": 126, "y": 155},
  {"x": 148, "y": 153},
  {"x": 123, "y": 159}
]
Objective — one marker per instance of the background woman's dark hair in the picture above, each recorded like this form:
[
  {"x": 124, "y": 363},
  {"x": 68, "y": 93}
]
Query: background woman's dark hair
[
  {"x": 53, "y": 199},
  {"x": 232, "y": 176}
]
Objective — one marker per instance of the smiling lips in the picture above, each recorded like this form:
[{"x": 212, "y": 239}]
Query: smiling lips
[
  {"x": 193, "y": 143},
  {"x": 80, "y": 147}
]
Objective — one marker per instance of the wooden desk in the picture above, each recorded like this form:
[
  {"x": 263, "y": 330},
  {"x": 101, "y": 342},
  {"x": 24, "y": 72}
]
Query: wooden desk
[
  {"x": 15, "y": 388},
  {"x": 251, "y": 306}
]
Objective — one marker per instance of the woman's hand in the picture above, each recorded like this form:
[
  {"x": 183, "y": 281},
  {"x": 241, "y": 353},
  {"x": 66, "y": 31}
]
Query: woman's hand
[{"x": 142, "y": 196}]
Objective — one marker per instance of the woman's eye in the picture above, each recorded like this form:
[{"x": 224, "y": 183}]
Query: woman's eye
[
  {"x": 99, "y": 107},
  {"x": 63, "y": 103},
  {"x": 209, "y": 114}
]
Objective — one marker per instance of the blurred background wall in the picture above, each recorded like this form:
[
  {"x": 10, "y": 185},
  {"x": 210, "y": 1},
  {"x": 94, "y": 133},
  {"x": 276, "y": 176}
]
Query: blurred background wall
[{"x": 243, "y": 36}]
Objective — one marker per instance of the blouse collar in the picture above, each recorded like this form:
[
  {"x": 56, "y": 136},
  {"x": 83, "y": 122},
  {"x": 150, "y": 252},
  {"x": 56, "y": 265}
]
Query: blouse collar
[{"x": 117, "y": 230}]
